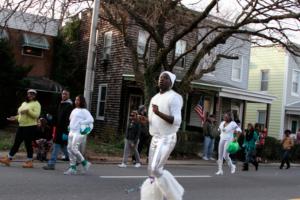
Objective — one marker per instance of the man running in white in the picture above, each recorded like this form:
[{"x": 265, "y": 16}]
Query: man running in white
[{"x": 164, "y": 117}]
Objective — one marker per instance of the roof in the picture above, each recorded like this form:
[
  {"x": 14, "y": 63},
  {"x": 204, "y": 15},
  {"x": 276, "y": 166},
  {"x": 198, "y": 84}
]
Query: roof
[
  {"x": 293, "y": 109},
  {"x": 28, "y": 22}
]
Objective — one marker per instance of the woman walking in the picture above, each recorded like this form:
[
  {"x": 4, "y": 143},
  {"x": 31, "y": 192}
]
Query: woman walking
[
  {"x": 228, "y": 129},
  {"x": 250, "y": 139},
  {"x": 28, "y": 114},
  {"x": 287, "y": 144},
  {"x": 79, "y": 118}
]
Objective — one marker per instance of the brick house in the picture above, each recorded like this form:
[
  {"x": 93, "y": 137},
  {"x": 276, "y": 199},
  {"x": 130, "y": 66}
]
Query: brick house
[
  {"x": 115, "y": 92},
  {"x": 32, "y": 39}
]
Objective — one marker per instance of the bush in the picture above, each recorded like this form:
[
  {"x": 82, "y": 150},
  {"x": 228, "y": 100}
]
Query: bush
[
  {"x": 188, "y": 144},
  {"x": 272, "y": 149}
]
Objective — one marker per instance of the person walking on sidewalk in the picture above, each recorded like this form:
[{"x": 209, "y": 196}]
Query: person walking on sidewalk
[
  {"x": 164, "y": 121},
  {"x": 132, "y": 140},
  {"x": 60, "y": 138},
  {"x": 145, "y": 138},
  {"x": 228, "y": 128},
  {"x": 287, "y": 144},
  {"x": 28, "y": 114},
  {"x": 250, "y": 138},
  {"x": 80, "y": 120}
]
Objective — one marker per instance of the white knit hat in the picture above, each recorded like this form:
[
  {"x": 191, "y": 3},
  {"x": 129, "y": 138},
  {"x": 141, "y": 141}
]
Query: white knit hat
[
  {"x": 171, "y": 75},
  {"x": 32, "y": 91}
]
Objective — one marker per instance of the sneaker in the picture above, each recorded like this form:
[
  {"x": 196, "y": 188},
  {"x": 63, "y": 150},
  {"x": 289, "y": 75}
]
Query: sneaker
[
  {"x": 233, "y": 168},
  {"x": 70, "y": 171},
  {"x": 205, "y": 158},
  {"x": 137, "y": 165},
  {"x": 122, "y": 165},
  {"x": 87, "y": 166},
  {"x": 49, "y": 167},
  {"x": 28, "y": 164},
  {"x": 211, "y": 158},
  {"x": 5, "y": 160}
]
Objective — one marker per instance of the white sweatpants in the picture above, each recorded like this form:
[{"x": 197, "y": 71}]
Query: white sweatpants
[
  {"x": 223, "y": 154},
  {"x": 161, "y": 181},
  {"x": 75, "y": 141}
]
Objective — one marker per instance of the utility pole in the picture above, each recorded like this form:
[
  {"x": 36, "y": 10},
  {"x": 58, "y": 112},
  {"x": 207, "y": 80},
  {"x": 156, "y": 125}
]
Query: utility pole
[{"x": 91, "y": 55}]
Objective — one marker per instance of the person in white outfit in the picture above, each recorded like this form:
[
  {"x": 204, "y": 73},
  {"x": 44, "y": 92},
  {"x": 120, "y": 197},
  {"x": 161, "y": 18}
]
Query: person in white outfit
[
  {"x": 228, "y": 129},
  {"x": 164, "y": 117},
  {"x": 79, "y": 117}
]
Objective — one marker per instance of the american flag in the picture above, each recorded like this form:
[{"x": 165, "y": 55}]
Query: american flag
[{"x": 199, "y": 108}]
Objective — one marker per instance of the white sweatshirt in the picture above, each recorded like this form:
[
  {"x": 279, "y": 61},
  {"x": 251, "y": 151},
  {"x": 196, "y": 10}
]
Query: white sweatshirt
[
  {"x": 169, "y": 103},
  {"x": 80, "y": 116},
  {"x": 227, "y": 132}
]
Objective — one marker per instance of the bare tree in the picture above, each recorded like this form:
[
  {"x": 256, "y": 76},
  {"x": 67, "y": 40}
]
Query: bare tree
[
  {"x": 168, "y": 21},
  {"x": 51, "y": 10}
]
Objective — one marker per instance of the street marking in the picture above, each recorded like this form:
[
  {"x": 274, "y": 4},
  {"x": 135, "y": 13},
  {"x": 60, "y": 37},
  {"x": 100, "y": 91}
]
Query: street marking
[{"x": 128, "y": 177}]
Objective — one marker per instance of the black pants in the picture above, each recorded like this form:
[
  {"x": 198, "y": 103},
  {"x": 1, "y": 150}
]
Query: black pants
[
  {"x": 285, "y": 158},
  {"x": 25, "y": 134}
]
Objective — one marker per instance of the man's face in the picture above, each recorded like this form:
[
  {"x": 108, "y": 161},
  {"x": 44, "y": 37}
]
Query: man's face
[
  {"x": 65, "y": 95},
  {"x": 164, "y": 82}
]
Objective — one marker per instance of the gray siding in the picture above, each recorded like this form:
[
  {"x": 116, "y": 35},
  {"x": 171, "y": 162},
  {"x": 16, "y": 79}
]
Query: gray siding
[
  {"x": 224, "y": 68},
  {"x": 293, "y": 64}
]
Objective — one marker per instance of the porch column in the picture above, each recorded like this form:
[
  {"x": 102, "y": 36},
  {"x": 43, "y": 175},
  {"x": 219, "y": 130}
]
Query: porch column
[
  {"x": 244, "y": 114},
  {"x": 268, "y": 115},
  {"x": 219, "y": 109}
]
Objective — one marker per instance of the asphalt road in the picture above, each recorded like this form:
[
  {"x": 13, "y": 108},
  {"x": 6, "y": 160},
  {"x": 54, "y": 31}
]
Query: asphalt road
[{"x": 108, "y": 182}]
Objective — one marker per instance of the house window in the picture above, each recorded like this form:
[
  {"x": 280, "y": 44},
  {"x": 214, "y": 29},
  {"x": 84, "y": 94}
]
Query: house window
[
  {"x": 295, "y": 83},
  {"x": 264, "y": 80},
  {"x": 237, "y": 67},
  {"x": 141, "y": 45},
  {"x": 294, "y": 126},
  {"x": 107, "y": 44},
  {"x": 261, "y": 118},
  {"x": 101, "y": 101},
  {"x": 179, "y": 50},
  {"x": 34, "y": 45}
]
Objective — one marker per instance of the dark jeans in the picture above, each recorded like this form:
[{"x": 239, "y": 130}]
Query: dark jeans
[
  {"x": 285, "y": 158},
  {"x": 55, "y": 151},
  {"x": 25, "y": 134}
]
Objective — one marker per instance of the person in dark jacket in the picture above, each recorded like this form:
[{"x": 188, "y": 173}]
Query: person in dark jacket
[
  {"x": 132, "y": 140},
  {"x": 250, "y": 138},
  {"x": 144, "y": 136},
  {"x": 60, "y": 137}
]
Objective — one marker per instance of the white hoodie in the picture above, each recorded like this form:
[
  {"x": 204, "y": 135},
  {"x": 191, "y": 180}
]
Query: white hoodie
[{"x": 80, "y": 116}]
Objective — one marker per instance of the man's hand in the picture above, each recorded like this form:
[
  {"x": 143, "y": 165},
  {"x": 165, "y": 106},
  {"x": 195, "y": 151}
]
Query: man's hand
[{"x": 155, "y": 109}]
